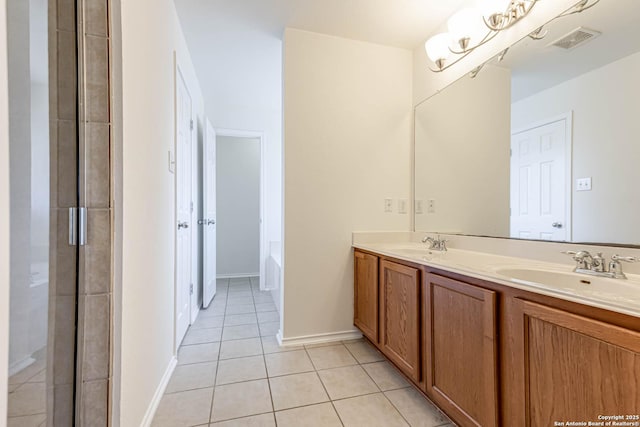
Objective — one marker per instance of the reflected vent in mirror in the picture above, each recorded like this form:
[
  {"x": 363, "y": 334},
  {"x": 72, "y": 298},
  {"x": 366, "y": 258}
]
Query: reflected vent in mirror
[{"x": 575, "y": 38}]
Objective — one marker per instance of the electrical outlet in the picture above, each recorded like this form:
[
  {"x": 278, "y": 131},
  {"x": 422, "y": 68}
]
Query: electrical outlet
[
  {"x": 402, "y": 206},
  {"x": 388, "y": 205},
  {"x": 431, "y": 206},
  {"x": 419, "y": 207},
  {"x": 583, "y": 184}
]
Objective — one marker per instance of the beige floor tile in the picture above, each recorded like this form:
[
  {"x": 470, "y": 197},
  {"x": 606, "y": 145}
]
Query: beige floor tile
[
  {"x": 28, "y": 399},
  {"x": 198, "y": 353},
  {"x": 264, "y": 420},
  {"x": 232, "y": 301},
  {"x": 322, "y": 415},
  {"x": 208, "y": 322},
  {"x": 240, "y": 319},
  {"x": 242, "y": 369},
  {"x": 28, "y": 421},
  {"x": 268, "y": 316},
  {"x": 364, "y": 352},
  {"x": 241, "y": 400},
  {"x": 240, "y": 348},
  {"x": 216, "y": 309},
  {"x": 190, "y": 377},
  {"x": 415, "y": 408},
  {"x": 28, "y": 372},
  {"x": 270, "y": 345},
  {"x": 240, "y": 293},
  {"x": 331, "y": 357},
  {"x": 290, "y": 362},
  {"x": 241, "y": 309},
  {"x": 201, "y": 336},
  {"x": 240, "y": 332},
  {"x": 267, "y": 306},
  {"x": 296, "y": 390},
  {"x": 187, "y": 408},
  {"x": 269, "y": 328},
  {"x": 385, "y": 376},
  {"x": 347, "y": 381},
  {"x": 263, "y": 299},
  {"x": 373, "y": 410}
]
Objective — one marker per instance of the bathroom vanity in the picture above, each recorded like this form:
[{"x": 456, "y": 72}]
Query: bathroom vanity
[{"x": 491, "y": 350}]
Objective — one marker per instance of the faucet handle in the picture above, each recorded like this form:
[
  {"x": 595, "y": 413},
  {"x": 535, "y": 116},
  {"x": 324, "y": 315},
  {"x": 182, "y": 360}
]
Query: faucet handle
[{"x": 625, "y": 258}]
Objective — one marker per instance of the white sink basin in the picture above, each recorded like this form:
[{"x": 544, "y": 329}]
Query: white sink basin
[{"x": 592, "y": 287}]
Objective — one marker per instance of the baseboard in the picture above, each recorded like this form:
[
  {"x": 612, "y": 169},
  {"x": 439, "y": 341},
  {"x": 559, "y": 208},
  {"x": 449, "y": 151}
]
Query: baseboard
[
  {"x": 237, "y": 276},
  {"x": 20, "y": 365},
  {"x": 318, "y": 338},
  {"x": 157, "y": 397}
]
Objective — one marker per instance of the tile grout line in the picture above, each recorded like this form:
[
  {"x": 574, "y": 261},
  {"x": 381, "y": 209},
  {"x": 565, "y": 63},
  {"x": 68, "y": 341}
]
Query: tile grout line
[{"x": 323, "y": 386}]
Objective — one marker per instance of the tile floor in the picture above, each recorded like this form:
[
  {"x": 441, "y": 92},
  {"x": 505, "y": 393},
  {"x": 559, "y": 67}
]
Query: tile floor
[
  {"x": 231, "y": 372},
  {"x": 27, "y": 395}
]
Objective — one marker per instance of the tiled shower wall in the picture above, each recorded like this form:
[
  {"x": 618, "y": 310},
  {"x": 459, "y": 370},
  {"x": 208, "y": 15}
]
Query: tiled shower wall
[
  {"x": 79, "y": 40},
  {"x": 95, "y": 266}
]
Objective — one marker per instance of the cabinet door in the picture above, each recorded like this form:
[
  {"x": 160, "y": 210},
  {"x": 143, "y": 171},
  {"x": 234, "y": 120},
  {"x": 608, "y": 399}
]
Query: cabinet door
[
  {"x": 461, "y": 350},
  {"x": 365, "y": 309},
  {"x": 575, "y": 368},
  {"x": 400, "y": 317}
]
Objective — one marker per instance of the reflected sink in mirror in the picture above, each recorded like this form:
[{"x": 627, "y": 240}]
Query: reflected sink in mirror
[{"x": 576, "y": 284}]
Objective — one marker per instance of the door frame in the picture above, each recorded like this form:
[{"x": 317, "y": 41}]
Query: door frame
[
  {"x": 180, "y": 75},
  {"x": 568, "y": 161},
  {"x": 236, "y": 133}
]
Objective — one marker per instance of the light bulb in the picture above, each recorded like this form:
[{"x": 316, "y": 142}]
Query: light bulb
[
  {"x": 465, "y": 27},
  {"x": 437, "y": 48}
]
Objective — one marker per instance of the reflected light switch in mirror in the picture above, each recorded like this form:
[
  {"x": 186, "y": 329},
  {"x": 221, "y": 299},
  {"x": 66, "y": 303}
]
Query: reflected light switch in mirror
[
  {"x": 388, "y": 205},
  {"x": 583, "y": 184},
  {"x": 419, "y": 207},
  {"x": 431, "y": 206}
]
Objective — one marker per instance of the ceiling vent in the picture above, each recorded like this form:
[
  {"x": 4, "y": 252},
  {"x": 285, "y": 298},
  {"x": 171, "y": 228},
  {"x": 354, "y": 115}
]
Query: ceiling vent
[{"x": 575, "y": 38}]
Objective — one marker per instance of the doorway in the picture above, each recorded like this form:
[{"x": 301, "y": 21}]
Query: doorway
[
  {"x": 240, "y": 205},
  {"x": 541, "y": 180}
]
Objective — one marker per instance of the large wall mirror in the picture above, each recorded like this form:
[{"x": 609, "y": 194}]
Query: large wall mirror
[{"x": 544, "y": 144}]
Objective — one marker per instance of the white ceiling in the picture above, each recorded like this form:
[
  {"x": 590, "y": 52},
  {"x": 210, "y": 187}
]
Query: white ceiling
[
  {"x": 400, "y": 23},
  {"x": 536, "y": 66}
]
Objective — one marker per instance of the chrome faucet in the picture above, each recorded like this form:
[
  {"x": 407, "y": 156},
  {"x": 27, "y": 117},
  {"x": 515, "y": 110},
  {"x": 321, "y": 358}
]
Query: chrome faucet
[
  {"x": 595, "y": 265},
  {"x": 436, "y": 244}
]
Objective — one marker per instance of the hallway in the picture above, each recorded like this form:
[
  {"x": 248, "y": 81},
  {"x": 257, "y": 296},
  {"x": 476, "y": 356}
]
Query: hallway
[{"x": 231, "y": 372}]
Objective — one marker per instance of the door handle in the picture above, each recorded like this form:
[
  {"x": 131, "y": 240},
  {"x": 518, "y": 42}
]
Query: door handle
[
  {"x": 211, "y": 222},
  {"x": 557, "y": 225},
  {"x": 183, "y": 225}
]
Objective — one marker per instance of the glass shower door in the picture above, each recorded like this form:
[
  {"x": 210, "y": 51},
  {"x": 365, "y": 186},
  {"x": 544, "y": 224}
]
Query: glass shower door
[{"x": 43, "y": 144}]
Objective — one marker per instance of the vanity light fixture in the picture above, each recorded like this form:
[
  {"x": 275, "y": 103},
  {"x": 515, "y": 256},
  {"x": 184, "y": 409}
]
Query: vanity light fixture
[{"x": 471, "y": 28}]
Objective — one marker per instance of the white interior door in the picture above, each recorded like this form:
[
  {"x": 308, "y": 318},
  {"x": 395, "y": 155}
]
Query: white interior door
[
  {"x": 209, "y": 216},
  {"x": 184, "y": 127},
  {"x": 539, "y": 182}
]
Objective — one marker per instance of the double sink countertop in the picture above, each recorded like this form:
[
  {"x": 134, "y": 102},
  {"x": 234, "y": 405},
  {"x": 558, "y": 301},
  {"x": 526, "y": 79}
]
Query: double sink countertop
[{"x": 556, "y": 280}]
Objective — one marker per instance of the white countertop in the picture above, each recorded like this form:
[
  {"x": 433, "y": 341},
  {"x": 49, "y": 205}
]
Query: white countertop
[{"x": 619, "y": 295}]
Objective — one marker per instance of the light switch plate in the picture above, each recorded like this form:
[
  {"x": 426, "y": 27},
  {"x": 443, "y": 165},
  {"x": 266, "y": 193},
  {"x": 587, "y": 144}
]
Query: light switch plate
[
  {"x": 431, "y": 206},
  {"x": 388, "y": 205},
  {"x": 172, "y": 162},
  {"x": 583, "y": 184},
  {"x": 402, "y": 206},
  {"x": 419, "y": 206}
]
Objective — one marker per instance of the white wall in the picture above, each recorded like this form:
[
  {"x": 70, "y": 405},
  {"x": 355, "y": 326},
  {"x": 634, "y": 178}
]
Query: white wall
[
  {"x": 605, "y": 146},
  {"x": 462, "y": 156},
  {"x": 238, "y": 206},
  {"x": 150, "y": 35},
  {"x": 347, "y": 146},
  {"x": 426, "y": 82},
  {"x": 4, "y": 212}
]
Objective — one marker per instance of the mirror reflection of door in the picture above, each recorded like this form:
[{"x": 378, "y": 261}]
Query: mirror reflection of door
[{"x": 540, "y": 174}]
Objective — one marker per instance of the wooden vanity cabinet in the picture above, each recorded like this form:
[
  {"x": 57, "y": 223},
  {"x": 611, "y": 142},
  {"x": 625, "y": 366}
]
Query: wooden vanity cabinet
[
  {"x": 461, "y": 352},
  {"x": 365, "y": 307},
  {"x": 573, "y": 367},
  {"x": 400, "y": 317}
]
